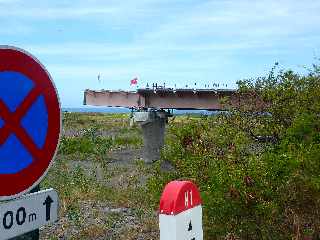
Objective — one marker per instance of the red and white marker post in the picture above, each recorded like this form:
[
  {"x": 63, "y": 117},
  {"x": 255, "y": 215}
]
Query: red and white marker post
[{"x": 180, "y": 216}]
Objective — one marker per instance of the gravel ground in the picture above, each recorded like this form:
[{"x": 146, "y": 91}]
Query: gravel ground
[
  {"x": 96, "y": 219},
  {"x": 100, "y": 221}
]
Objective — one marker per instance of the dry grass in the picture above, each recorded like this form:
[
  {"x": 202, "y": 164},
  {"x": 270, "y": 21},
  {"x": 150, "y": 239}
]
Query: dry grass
[{"x": 107, "y": 203}]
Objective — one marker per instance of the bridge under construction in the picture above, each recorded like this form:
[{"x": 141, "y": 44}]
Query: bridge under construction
[
  {"x": 160, "y": 98},
  {"x": 151, "y": 108}
]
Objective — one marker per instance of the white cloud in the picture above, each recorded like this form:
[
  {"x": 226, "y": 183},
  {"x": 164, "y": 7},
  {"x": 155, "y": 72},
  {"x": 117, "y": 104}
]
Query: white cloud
[
  {"x": 243, "y": 20},
  {"x": 13, "y": 29},
  {"x": 55, "y": 13},
  {"x": 101, "y": 51},
  {"x": 159, "y": 39},
  {"x": 78, "y": 9},
  {"x": 9, "y": 1}
]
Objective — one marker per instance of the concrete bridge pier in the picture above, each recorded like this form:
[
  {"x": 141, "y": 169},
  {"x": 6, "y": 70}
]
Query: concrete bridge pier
[{"x": 153, "y": 124}]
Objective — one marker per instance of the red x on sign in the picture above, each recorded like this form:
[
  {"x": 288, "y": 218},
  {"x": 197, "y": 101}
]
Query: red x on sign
[
  {"x": 29, "y": 122},
  {"x": 12, "y": 122}
]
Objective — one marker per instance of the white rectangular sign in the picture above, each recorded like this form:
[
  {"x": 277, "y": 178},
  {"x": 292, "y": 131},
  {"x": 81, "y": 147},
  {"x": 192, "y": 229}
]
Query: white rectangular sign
[
  {"x": 186, "y": 225},
  {"x": 27, "y": 213}
]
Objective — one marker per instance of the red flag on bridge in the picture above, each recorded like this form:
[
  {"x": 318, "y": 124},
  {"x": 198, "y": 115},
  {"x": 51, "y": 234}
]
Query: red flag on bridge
[{"x": 134, "y": 81}]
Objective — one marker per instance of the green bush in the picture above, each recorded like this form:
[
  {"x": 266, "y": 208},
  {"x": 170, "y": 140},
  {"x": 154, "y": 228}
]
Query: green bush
[
  {"x": 258, "y": 166},
  {"x": 85, "y": 145}
]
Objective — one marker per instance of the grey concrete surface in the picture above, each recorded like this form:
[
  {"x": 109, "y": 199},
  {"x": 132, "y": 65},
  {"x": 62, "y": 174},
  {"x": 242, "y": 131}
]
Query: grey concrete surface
[{"x": 153, "y": 138}]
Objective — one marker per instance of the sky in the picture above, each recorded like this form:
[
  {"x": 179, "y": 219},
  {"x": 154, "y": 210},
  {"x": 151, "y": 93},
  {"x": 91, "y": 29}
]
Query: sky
[{"x": 178, "y": 42}]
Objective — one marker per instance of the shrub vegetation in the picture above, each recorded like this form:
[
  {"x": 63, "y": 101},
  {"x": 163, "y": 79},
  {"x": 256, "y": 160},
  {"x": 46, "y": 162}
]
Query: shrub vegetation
[{"x": 257, "y": 165}]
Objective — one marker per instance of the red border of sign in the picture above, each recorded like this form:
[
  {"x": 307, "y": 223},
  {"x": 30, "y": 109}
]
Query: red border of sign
[{"x": 15, "y": 59}]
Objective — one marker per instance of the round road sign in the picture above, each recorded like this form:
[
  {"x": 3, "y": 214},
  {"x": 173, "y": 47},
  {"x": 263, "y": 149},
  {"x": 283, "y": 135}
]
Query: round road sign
[{"x": 30, "y": 122}]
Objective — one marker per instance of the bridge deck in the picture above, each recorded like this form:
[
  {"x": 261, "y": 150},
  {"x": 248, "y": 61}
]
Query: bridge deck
[{"x": 160, "y": 98}]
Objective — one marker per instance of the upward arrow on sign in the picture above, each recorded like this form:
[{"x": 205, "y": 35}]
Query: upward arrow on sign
[
  {"x": 190, "y": 227},
  {"x": 48, "y": 203}
]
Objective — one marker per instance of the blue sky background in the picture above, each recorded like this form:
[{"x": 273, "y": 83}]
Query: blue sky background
[{"x": 176, "y": 42}]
